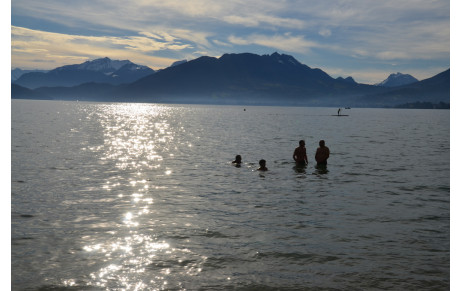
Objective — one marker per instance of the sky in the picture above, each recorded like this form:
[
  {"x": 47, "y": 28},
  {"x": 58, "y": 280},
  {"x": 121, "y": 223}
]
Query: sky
[{"x": 365, "y": 39}]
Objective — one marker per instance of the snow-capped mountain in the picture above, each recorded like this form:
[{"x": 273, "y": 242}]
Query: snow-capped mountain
[
  {"x": 104, "y": 64},
  {"x": 397, "y": 79},
  {"x": 102, "y": 70}
]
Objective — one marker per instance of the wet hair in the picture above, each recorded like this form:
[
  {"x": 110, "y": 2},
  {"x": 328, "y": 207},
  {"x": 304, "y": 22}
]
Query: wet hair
[
  {"x": 322, "y": 143},
  {"x": 301, "y": 141},
  {"x": 262, "y": 162},
  {"x": 237, "y": 160}
]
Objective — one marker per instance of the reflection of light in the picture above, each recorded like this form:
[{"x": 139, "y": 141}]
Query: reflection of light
[
  {"x": 137, "y": 197},
  {"x": 69, "y": 283},
  {"x": 110, "y": 268},
  {"x": 92, "y": 248},
  {"x": 133, "y": 131},
  {"x": 129, "y": 256},
  {"x": 128, "y": 218},
  {"x": 153, "y": 247},
  {"x": 136, "y": 140}
]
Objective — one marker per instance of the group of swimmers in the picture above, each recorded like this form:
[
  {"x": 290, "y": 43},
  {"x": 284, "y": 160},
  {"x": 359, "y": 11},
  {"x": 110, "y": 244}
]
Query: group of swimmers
[{"x": 299, "y": 156}]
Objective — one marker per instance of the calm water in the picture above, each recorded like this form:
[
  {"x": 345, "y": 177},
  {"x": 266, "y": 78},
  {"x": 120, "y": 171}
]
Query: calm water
[{"x": 144, "y": 197}]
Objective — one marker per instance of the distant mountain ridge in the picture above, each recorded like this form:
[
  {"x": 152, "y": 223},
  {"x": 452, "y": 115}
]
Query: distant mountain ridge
[
  {"x": 347, "y": 79},
  {"x": 434, "y": 90},
  {"x": 16, "y": 73},
  {"x": 102, "y": 70},
  {"x": 236, "y": 77},
  {"x": 246, "y": 78},
  {"x": 397, "y": 79}
]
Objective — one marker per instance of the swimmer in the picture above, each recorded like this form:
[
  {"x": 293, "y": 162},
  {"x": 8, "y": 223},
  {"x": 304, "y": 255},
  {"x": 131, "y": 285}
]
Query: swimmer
[
  {"x": 262, "y": 164},
  {"x": 237, "y": 161}
]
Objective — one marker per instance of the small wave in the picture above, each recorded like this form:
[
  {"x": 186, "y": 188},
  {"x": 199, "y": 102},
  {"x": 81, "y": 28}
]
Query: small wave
[
  {"x": 304, "y": 258},
  {"x": 213, "y": 234},
  {"x": 60, "y": 168},
  {"x": 64, "y": 288},
  {"x": 222, "y": 262},
  {"x": 22, "y": 238},
  {"x": 15, "y": 214},
  {"x": 171, "y": 264},
  {"x": 16, "y": 241},
  {"x": 26, "y": 215}
]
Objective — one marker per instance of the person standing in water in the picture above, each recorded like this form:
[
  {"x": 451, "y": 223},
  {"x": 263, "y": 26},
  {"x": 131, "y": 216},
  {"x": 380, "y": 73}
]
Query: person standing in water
[
  {"x": 338, "y": 111},
  {"x": 322, "y": 154},
  {"x": 300, "y": 154}
]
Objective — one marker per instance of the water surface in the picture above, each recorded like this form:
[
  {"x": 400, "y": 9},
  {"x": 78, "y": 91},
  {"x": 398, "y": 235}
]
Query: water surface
[{"x": 117, "y": 196}]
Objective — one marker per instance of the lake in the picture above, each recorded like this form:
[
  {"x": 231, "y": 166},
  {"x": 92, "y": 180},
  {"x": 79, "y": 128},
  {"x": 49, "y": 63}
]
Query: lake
[{"x": 120, "y": 196}]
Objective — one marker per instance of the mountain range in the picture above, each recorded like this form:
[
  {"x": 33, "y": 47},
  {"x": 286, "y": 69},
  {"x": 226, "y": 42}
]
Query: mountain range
[
  {"x": 245, "y": 78},
  {"x": 102, "y": 70}
]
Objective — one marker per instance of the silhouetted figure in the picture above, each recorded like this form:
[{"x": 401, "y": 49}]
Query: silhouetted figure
[
  {"x": 262, "y": 164},
  {"x": 300, "y": 154},
  {"x": 237, "y": 161},
  {"x": 322, "y": 154},
  {"x": 338, "y": 111}
]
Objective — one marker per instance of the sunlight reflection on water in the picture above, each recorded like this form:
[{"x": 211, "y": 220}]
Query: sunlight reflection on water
[
  {"x": 129, "y": 134},
  {"x": 132, "y": 138},
  {"x": 136, "y": 138}
]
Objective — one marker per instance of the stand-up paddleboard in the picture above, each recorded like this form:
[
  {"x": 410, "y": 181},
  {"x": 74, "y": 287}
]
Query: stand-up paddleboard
[{"x": 338, "y": 113}]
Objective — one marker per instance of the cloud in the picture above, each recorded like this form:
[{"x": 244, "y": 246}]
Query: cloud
[
  {"x": 63, "y": 48},
  {"x": 288, "y": 43},
  {"x": 264, "y": 21},
  {"x": 415, "y": 41},
  {"x": 325, "y": 32}
]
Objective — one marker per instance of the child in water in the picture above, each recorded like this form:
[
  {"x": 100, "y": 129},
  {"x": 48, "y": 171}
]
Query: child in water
[
  {"x": 262, "y": 166},
  {"x": 237, "y": 161}
]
